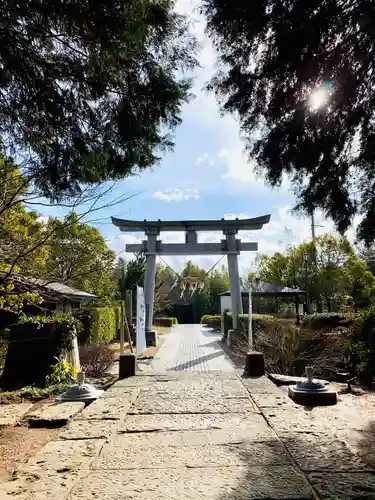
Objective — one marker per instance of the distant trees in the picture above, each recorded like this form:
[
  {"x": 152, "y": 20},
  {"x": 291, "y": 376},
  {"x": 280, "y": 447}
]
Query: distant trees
[{"x": 328, "y": 269}]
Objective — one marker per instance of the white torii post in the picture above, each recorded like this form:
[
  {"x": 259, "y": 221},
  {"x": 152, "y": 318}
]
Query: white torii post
[
  {"x": 149, "y": 282},
  {"x": 234, "y": 274}
]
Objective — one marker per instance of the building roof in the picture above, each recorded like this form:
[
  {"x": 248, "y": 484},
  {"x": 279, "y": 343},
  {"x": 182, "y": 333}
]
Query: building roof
[
  {"x": 263, "y": 288},
  {"x": 46, "y": 288},
  {"x": 67, "y": 291}
]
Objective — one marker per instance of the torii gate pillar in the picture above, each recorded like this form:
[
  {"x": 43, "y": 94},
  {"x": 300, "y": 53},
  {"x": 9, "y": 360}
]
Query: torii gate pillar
[
  {"x": 234, "y": 274},
  {"x": 149, "y": 284}
]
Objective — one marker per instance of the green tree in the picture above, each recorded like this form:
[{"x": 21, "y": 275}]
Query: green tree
[
  {"x": 22, "y": 235},
  {"x": 332, "y": 275},
  {"x": 279, "y": 59},
  {"x": 78, "y": 256},
  {"x": 91, "y": 89},
  {"x": 129, "y": 274}
]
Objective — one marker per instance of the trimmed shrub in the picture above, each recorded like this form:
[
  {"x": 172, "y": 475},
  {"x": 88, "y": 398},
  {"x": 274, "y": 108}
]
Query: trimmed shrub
[
  {"x": 98, "y": 325},
  {"x": 327, "y": 320},
  {"x": 117, "y": 310},
  {"x": 259, "y": 322},
  {"x": 103, "y": 326},
  {"x": 214, "y": 321},
  {"x": 361, "y": 347},
  {"x": 84, "y": 317},
  {"x": 165, "y": 321},
  {"x": 96, "y": 360}
]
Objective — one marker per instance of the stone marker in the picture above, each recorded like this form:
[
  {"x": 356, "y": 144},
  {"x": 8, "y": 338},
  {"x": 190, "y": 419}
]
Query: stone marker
[
  {"x": 254, "y": 366},
  {"x": 127, "y": 365},
  {"x": 11, "y": 414}
]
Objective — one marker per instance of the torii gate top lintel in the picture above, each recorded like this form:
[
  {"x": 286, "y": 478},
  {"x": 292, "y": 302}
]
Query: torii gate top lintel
[{"x": 192, "y": 225}]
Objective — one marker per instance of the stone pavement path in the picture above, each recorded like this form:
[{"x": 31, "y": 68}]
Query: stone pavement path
[
  {"x": 193, "y": 348},
  {"x": 212, "y": 435}
]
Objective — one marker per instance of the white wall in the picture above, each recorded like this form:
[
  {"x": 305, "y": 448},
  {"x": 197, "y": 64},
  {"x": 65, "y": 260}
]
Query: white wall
[{"x": 225, "y": 305}]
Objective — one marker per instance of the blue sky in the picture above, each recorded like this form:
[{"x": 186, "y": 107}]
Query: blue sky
[{"x": 207, "y": 176}]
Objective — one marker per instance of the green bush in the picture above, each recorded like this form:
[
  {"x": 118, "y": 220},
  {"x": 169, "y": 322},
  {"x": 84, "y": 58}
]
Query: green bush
[
  {"x": 99, "y": 325},
  {"x": 259, "y": 321},
  {"x": 214, "y": 321},
  {"x": 117, "y": 310},
  {"x": 361, "y": 346},
  {"x": 103, "y": 326},
  {"x": 165, "y": 321},
  {"x": 327, "y": 320},
  {"x": 84, "y": 317}
]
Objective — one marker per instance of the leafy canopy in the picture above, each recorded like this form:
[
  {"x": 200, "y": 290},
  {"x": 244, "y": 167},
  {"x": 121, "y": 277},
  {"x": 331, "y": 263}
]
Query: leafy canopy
[
  {"x": 88, "y": 89},
  {"x": 334, "y": 276},
  {"x": 274, "y": 55},
  {"x": 78, "y": 256}
]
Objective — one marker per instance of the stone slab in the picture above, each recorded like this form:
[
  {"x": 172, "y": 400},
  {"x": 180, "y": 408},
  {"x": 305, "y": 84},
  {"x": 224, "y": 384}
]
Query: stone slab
[
  {"x": 319, "y": 451},
  {"x": 348, "y": 486},
  {"x": 273, "y": 400},
  {"x": 11, "y": 414},
  {"x": 241, "y": 483},
  {"x": 145, "y": 405},
  {"x": 200, "y": 437},
  {"x": 283, "y": 420},
  {"x": 254, "y": 424},
  {"x": 117, "y": 392},
  {"x": 53, "y": 414},
  {"x": 40, "y": 486},
  {"x": 260, "y": 385},
  {"x": 361, "y": 443},
  {"x": 89, "y": 429},
  {"x": 187, "y": 377},
  {"x": 188, "y": 449},
  {"x": 108, "y": 408},
  {"x": 279, "y": 379},
  {"x": 57, "y": 456},
  {"x": 186, "y": 392}
]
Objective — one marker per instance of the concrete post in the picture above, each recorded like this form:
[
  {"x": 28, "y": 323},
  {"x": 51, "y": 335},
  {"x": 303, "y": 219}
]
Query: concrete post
[
  {"x": 149, "y": 283},
  {"x": 234, "y": 275}
]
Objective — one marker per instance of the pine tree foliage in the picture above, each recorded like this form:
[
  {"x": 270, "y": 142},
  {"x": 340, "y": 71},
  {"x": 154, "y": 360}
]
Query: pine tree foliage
[
  {"x": 90, "y": 90},
  {"x": 275, "y": 54}
]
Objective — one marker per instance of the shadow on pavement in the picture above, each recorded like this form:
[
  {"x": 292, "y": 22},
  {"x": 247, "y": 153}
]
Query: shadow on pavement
[{"x": 196, "y": 361}]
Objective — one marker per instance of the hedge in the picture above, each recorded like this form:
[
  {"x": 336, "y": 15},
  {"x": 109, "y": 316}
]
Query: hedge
[
  {"x": 327, "y": 320},
  {"x": 259, "y": 321},
  {"x": 99, "y": 325},
  {"x": 165, "y": 321},
  {"x": 212, "y": 321}
]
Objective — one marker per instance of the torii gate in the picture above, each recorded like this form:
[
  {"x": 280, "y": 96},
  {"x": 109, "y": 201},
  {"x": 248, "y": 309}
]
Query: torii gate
[{"x": 230, "y": 246}]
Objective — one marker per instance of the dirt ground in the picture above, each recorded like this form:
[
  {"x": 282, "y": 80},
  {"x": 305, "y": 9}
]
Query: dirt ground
[{"x": 17, "y": 444}]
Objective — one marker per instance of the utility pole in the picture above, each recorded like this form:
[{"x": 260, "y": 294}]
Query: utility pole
[{"x": 312, "y": 225}]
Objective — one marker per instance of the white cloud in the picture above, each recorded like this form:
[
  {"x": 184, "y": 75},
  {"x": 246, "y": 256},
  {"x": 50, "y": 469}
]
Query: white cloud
[
  {"x": 205, "y": 159},
  {"x": 177, "y": 194}
]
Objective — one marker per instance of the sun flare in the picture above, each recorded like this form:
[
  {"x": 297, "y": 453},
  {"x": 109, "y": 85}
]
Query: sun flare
[{"x": 318, "y": 98}]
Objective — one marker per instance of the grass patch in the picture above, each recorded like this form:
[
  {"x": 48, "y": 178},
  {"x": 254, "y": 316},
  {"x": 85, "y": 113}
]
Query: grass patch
[{"x": 32, "y": 393}]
